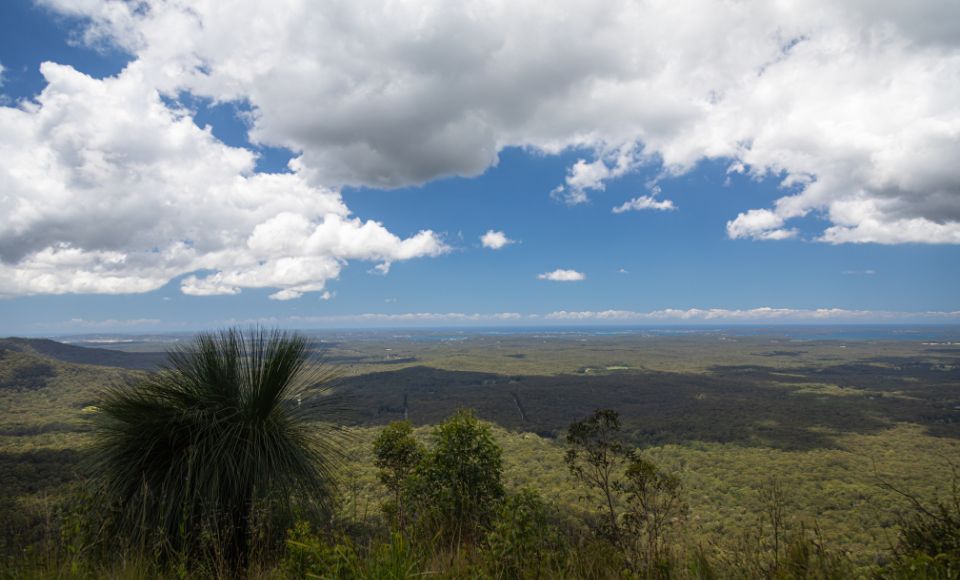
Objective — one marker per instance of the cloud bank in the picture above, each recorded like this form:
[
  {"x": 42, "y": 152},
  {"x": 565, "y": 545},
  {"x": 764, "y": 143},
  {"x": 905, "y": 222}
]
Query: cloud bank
[
  {"x": 109, "y": 187},
  {"x": 670, "y": 316},
  {"x": 762, "y": 314},
  {"x": 852, "y": 105}
]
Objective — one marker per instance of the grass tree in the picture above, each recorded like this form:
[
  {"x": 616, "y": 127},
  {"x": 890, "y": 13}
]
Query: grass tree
[{"x": 233, "y": 423}]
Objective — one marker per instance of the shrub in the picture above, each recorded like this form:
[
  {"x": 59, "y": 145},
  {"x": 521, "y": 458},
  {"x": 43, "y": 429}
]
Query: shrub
[
  {"x": 521, "y": 542},
  {"x": 230, "y": 425},
  {"x": 308, "y": 555},
  {"x": 929, "y": 542},
  {"x": 457, "y": 487}
]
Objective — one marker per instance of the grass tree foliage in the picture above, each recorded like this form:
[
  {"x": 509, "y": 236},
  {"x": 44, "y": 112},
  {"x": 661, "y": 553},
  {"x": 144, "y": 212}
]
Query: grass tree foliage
[{"x": 236, "y": 422}]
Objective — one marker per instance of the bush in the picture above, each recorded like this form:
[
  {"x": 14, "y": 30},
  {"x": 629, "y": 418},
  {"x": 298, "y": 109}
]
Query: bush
[
  {"x": 521, "y": 542},
  {"x": 309, "y": 556},
  {"x": 396, "y": 560},
  {"x": 929, "y": 542},
  {"x": 457, "y": 487}
]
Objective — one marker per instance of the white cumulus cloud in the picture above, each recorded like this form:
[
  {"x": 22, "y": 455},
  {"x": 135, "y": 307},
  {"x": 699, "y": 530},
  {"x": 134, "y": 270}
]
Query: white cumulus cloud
[
  {"x": 644, "y": 202},
  {"x": 759, "y": 224},
  {"x": 107, "y": 189},
  {"x": 495, "y": 240},
  {"x": 560, "y": 275},
  {"x": 851, "y": 105},
  {"x": 585, "y": 176}
]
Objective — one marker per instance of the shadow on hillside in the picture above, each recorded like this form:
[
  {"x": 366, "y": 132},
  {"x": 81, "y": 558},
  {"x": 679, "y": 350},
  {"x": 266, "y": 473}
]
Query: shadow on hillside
[
  {"x": 918, "y": 390},
  {"x": 38, "y": 470},
  {"x": 85, "y": 355},
  {"x": 751, "y": 405},
  {"x": 30, "y": 376}
]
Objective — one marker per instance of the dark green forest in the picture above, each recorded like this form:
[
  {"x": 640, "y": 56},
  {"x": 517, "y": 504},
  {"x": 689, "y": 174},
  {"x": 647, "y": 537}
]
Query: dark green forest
[{"x": 504, "y": 457}]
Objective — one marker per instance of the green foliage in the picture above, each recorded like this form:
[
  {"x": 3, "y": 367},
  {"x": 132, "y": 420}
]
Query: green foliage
[
  {"x": 396, "y": 560},
  {"x": 641, "y": 503},
  {"x": 597, "y": 456},
  {"x": 522, "y": 542},
  {"x": 929, "y": 542},
  {"x": 312, "y": 555},
  {"x": 721, "y": 416},
  {"x": 920, "y": 566},
  {"x": 397, "y": 455},
  {"x": 458, "y": 484},
  {"x": 653, "y": 509},
  {"x": 777, "y": 548},
  {"x": 309, "y": 555},
  {"x": 229, "y": 425},
  {"x": 809, "y": 557}
]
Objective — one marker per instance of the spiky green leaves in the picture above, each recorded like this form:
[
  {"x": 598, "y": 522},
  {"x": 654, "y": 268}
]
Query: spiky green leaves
[{"x": 233, "y": 422}]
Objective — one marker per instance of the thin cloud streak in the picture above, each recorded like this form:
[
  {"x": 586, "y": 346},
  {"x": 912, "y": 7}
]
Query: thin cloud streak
[
  {"x": 561, "y": 275},
  {"x": 762, "y": 315},
  {"x": 667, "y": 316}
]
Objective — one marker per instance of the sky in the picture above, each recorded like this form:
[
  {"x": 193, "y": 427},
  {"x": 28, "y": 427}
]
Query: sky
[{"x": 173, "y": 165}]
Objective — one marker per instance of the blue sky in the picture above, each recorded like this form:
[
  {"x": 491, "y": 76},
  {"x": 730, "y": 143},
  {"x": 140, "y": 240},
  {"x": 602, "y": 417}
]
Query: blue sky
[{"x": 662, "y": 266}]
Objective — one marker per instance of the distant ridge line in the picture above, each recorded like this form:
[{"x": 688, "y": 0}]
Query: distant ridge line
[{"x": 69, "y": 353}]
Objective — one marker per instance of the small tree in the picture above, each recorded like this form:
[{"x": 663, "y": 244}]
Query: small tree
[
  {"x": 397, "y": 456},
  {"x": 929, "y": 541},
  {"x": 640, "y": 501},
  {"x": 774, "y": 507},
  {"x": 653, "y": 505},
  {"x": 458, "y": 484},
  {"x": 597, "y": 457},
  {"x": 780, "y": 546}
]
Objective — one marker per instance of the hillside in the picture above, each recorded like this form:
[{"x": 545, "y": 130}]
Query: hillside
[{"x": 83, "y": 355}]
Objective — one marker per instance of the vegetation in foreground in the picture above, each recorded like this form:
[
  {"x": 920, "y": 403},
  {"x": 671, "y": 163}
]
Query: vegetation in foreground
[
  {"x": 446, "y": 510},
  {"x": 449, "y": 515}
]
